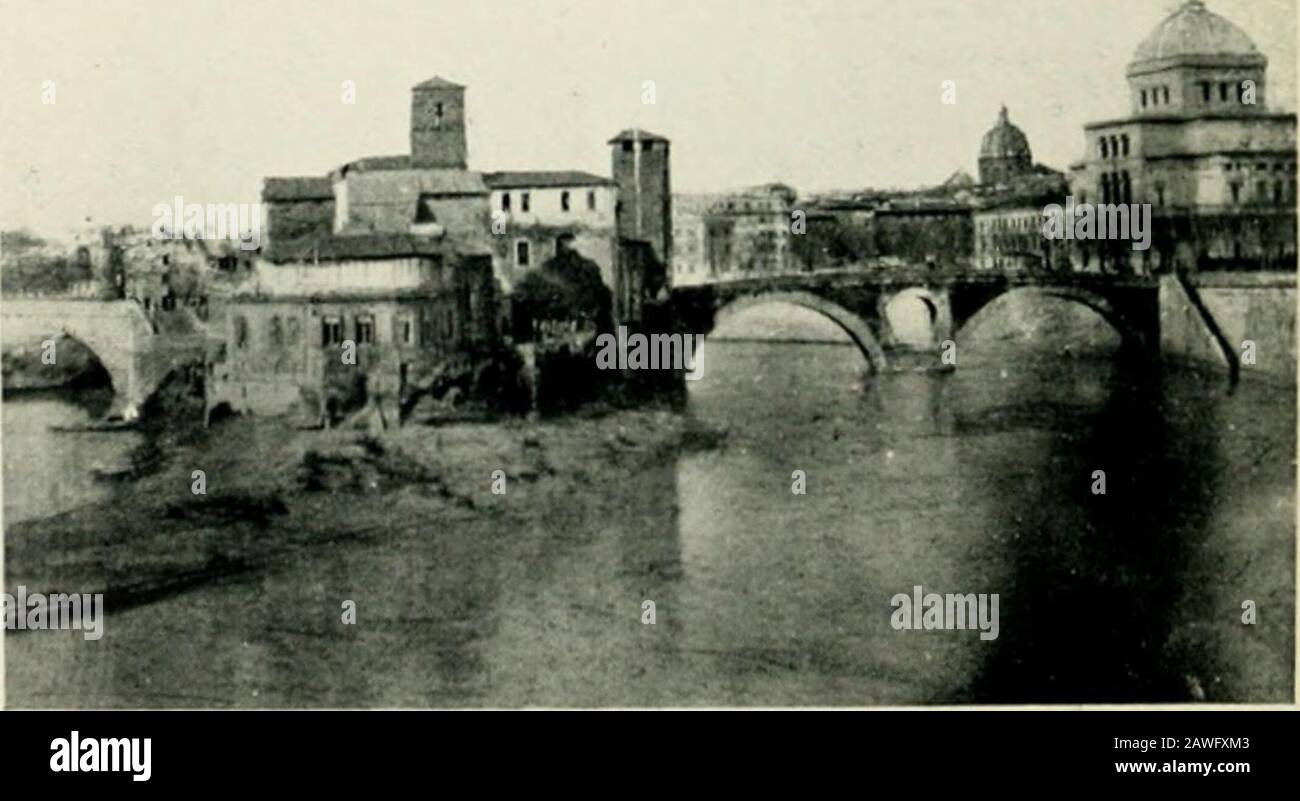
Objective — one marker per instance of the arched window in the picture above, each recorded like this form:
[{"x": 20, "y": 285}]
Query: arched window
[
  {"x": 1123, "y": 140},
  {"x": 1114, "y": 146},
  {"x": 1105, "y": 149},
  {"x": 1164, "y": 90}
]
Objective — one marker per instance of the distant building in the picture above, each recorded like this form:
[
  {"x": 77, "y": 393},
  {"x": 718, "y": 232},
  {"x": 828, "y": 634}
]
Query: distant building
[
  {"x": 1202, "y": 147},
  {"x": 743, "y": 234},
  {"x": 1009, "y": 226},
  {"x": 1004, "y": 152}
]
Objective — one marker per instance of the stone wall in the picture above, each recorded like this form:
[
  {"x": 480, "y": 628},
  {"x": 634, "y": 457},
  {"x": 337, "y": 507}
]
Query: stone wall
[{"x": 1241, "y": 307}]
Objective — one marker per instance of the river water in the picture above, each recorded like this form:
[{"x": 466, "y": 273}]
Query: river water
[
  {"x": 981, "y": 480},
  {"x": 48, "y": 471}
]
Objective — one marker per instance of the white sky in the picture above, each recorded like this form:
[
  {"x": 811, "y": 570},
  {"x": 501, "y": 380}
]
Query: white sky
[{"x": 203, "y": 98}]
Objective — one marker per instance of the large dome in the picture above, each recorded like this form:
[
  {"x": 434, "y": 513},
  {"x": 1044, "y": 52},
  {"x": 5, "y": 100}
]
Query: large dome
[
  {"x": 1005, "y": 140},
  {"x": 1193, "y": 31}
]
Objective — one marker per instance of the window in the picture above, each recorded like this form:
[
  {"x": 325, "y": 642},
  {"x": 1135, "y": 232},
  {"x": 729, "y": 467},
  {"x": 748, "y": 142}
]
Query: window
[
  {"x": 523, "y": 201},
  {"x": 505, "y": 201},
  {"x": 1144, "y": 98},
  {"x": 437, "y": 115},
  {"x": 1127, "y": 187},
  {"x": 647, "y": 146},
  {"x": 1164, "y": 90},
  {"x": 331, "y": 330},
  {"x": 1123, "y": 140},
  {"x": 408, "y": 331},
  {"x": 1236, "y": 193},
  {"x": 627, "y": 146},
  {"x": 591, "y": 200},
  {"x": 564, "y": 201},
  {"x": 1114, "y": 147},
  {"x": 521, "y": 253},
  {"x": 365, "y": 324},
  {"x": 1105, "y": 149},
  {"x": 241, "y": 331},
  {"x": 1205, "y": 91},
  {"x": 1223, "y": 91},
  {"x": 424, "y": 213}
]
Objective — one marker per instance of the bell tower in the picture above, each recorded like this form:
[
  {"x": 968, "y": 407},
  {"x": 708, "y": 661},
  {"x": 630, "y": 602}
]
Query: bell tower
[{"x": 438, "y": 125}]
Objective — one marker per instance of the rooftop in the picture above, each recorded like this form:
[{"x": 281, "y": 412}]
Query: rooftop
[
  {"x": 637, "y": 135},
  {"x": 298, "y": 188},
  {"x": 1194, "y": 33},
  {"x": 437, "y": 82},
  {"x": 544, "y": 179}
]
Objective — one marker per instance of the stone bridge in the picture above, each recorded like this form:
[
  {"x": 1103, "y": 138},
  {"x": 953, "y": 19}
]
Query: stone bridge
[
  {"x": 856, "y": 300},
  {"x": 120, "y": 335}
]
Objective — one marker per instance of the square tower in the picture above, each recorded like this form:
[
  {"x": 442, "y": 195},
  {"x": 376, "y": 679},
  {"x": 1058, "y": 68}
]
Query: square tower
[
  {"x": 641, "y": 170},
  {"x": 438, "y": 125}
]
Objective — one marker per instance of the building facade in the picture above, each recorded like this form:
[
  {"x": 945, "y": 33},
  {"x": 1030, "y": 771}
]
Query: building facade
[
  {"x": 722, "y": 237},
  {"x": 1200, "y": 145}
]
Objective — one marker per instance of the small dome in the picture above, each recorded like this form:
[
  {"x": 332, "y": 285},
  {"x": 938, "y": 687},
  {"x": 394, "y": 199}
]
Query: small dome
[
  {"x": 1005, "y": 140},
  {"x": 1194, "y": 31}
]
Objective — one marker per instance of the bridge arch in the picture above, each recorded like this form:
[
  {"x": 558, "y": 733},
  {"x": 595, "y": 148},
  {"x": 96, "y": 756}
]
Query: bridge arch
[
  {"x": 939, "y": 316},
  {"x": 850, "y": 323},
  {"x": 1131, "y": 334}
]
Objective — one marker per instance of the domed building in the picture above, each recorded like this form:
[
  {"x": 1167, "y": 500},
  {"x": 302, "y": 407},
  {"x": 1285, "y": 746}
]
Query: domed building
[
  {"x": 1004, "y": 152},
  {"x": 1201, "y": 146}
]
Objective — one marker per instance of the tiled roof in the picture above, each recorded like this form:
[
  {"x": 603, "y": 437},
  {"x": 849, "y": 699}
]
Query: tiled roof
[
  {"x": 298, "y": 188},
  {"x": 544, "y": 179}
]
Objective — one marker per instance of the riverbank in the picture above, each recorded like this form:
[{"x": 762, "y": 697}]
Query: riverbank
[{"x": 277, "y": 498}]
